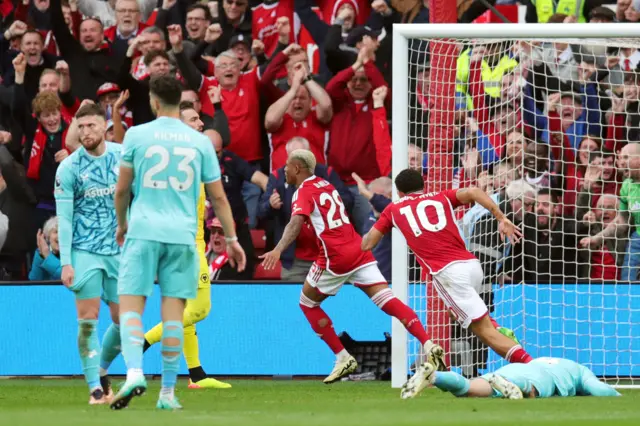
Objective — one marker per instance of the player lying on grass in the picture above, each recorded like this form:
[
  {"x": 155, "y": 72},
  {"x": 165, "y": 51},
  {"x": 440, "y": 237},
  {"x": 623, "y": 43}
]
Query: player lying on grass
[
  {"x": 541, "y": 378},
  {"x": 89, "y": 255},
  {"x": 428, "y": 223},
  {"x": 316, "y": 203},
  {"x": 197, "y": 309}
]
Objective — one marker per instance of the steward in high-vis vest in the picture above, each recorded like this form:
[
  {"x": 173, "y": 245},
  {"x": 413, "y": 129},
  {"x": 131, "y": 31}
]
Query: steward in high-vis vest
[
  {"x": 494, "y": 66},
  {"x": 547, "y": 8}
]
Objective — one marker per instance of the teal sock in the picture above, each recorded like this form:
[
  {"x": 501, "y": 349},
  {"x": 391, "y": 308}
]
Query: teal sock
[
  {"x": 131, "y": 343},
  {"x": 171, "y": 363},
  {"x": 110, "y": 347},
  {"x": 449, "y": 381},
  {"x": 89, "y": 348}
]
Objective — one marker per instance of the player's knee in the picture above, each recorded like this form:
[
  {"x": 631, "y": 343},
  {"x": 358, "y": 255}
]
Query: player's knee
[{"x": 306, "y": 303}]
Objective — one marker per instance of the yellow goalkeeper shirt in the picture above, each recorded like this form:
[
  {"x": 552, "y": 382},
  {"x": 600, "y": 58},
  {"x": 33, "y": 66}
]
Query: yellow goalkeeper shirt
[{"x": 203, "y": 277}]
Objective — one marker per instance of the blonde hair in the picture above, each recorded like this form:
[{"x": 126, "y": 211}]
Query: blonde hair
[
  {"x": 305, "y": 157},
  {"x": 518, "y": 189},
  {"x": 50, "y": 225}
]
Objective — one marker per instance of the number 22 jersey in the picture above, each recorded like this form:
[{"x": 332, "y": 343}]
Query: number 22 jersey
[
  {"x": 338, "y": 242},
  {"x": 428, "y": 224}
]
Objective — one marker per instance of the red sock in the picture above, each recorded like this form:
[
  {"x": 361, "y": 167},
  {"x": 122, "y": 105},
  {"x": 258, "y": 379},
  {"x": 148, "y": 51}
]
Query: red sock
[
  {"x": 391, "y": 305},
  {"x": 495, "y": 324},
  {"x": 323, "y": 327},
  {"x": 517, "y": 355}
]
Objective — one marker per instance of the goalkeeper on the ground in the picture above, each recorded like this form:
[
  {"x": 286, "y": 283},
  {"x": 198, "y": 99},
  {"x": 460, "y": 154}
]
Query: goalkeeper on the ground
[{"x": 541, "y": 378}]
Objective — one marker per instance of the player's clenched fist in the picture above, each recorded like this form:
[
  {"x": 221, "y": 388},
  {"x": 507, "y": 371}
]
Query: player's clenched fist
[
  {"x": 68, "y": 275},
  {"x": 62, "y": 67},
  {"x": 257, "y": 47},
  {"x": 379, "y": 95}
]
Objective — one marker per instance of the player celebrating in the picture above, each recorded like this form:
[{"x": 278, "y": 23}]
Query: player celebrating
[
  {"x": 165, "y": 161},
  {"x": 340, "y": 260},
  {"x": 424, "y": 218},
  {"x": 198, "y": 309},
  {"x": 90, "y": 257},
  {"x": 541, "y": 378}
]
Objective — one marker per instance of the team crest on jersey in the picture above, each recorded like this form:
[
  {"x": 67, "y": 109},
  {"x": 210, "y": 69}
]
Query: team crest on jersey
[
  {"x": 58, "y": 188},
  {"x": 204, "y": 278}
]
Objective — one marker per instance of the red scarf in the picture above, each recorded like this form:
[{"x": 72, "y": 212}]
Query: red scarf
[
  {"x": 37, "y": 149},
  {"x": 217, "y": 264}
]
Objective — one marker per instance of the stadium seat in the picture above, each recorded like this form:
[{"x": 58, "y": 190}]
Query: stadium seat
[
  {"x": 262, "y": 274},
  {"x": 259, "y": 241}
]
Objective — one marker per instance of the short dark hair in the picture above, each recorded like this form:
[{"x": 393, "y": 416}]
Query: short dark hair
[
  {"x": 205, "y": 9},
  {"x": 33, "y": 32},
  {"x": 150, "y": 56},
  {"x": 185, "y": 105},
  {"x": 89, "y": 110},
  {"x": 409, "y": 180},
  {"x": 553, "y": 195},
  {"x": 167, "y": 89}
]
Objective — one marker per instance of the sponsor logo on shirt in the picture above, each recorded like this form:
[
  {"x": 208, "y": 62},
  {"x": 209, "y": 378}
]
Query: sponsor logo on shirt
[
  {"x": 58, "y": 188},
  {"x": 100, "y": 192}
]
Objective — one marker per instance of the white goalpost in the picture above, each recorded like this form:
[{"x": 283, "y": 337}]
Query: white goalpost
[{"x": 536, "y": 115}]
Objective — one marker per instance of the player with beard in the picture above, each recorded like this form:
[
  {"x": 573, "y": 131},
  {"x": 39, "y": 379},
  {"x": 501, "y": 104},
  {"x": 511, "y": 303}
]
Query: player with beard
[
  {"x": 196, "y": 309},
  {"x": 90, "y": 257}
]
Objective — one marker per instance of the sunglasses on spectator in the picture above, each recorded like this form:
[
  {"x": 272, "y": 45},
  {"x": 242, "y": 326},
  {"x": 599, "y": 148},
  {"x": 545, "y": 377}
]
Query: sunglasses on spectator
[
  {"x": 236, "y": 2},
  {"x": 216, "y": 231}
]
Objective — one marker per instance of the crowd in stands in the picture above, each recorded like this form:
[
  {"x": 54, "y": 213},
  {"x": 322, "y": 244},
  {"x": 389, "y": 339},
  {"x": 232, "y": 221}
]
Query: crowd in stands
[{"x": 549, "y": 129}]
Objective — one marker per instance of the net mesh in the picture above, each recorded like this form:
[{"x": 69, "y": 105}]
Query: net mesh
[{"x": 541, "y": 126}]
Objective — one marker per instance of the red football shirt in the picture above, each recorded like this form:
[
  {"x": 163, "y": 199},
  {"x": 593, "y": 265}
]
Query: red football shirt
[
  {"x": 338, "y": 243},
  {"x": 263, "y": 23},
  {"x": 310, "y": 128},
  {"x": 428, "y": 223},
  {"x": 242, "y": 107},
  {"x": 306, "y": 243}
]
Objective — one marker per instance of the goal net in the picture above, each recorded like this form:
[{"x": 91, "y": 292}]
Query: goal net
[{"x": 538, "y": 116}]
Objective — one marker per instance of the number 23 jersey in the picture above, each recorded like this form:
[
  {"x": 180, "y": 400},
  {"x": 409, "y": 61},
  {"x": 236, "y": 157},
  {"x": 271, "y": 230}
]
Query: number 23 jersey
[
  {"x": 338, "y": 241},
  {"x": 428, "y": 224}
]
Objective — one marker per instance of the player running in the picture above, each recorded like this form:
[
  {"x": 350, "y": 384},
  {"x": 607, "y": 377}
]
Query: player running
[
  {"x": 197, "y": 309},
  {"x": 541, "y": 378},
  {"x": 165, "y": 161},
  {"x": 89, "y": 255},
  {"x": 340, "y": 260},
  {"x": 428, "y": 223}
]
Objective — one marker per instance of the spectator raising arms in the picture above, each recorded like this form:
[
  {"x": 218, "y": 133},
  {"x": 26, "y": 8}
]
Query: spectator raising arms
[
  {"x": 292, "y": 115},
  {"x": 351, "y": 146}
]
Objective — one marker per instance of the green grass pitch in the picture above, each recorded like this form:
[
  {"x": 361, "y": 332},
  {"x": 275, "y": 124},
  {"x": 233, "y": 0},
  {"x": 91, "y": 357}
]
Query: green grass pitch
[{"x": 302, "y": 403}]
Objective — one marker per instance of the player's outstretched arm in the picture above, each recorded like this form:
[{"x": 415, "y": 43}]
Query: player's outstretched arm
[
  {"x": 222, "y": 209},
  {"x": 371, "y": 239},
  {"x": 291, "y": 232},
  {"x": 476, "y": 195}
]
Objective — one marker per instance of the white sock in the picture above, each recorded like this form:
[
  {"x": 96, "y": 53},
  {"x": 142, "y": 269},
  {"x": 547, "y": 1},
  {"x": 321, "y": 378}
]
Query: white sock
[
  {"x": 134, "y": 373},
  {"x": 343, "y": 354},
  {"x": 167, "y": 392}
]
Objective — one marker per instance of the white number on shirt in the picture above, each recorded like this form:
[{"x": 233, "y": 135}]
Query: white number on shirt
[
  {"x": 422, "y": 217},
  {"x": 334, "y": 203},
  {"x": 187, "y": 155}
]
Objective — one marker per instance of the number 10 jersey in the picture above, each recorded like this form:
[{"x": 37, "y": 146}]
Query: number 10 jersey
[
  {"x": 428, "y": 224},
  {"x": 338, "y": 242}
]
